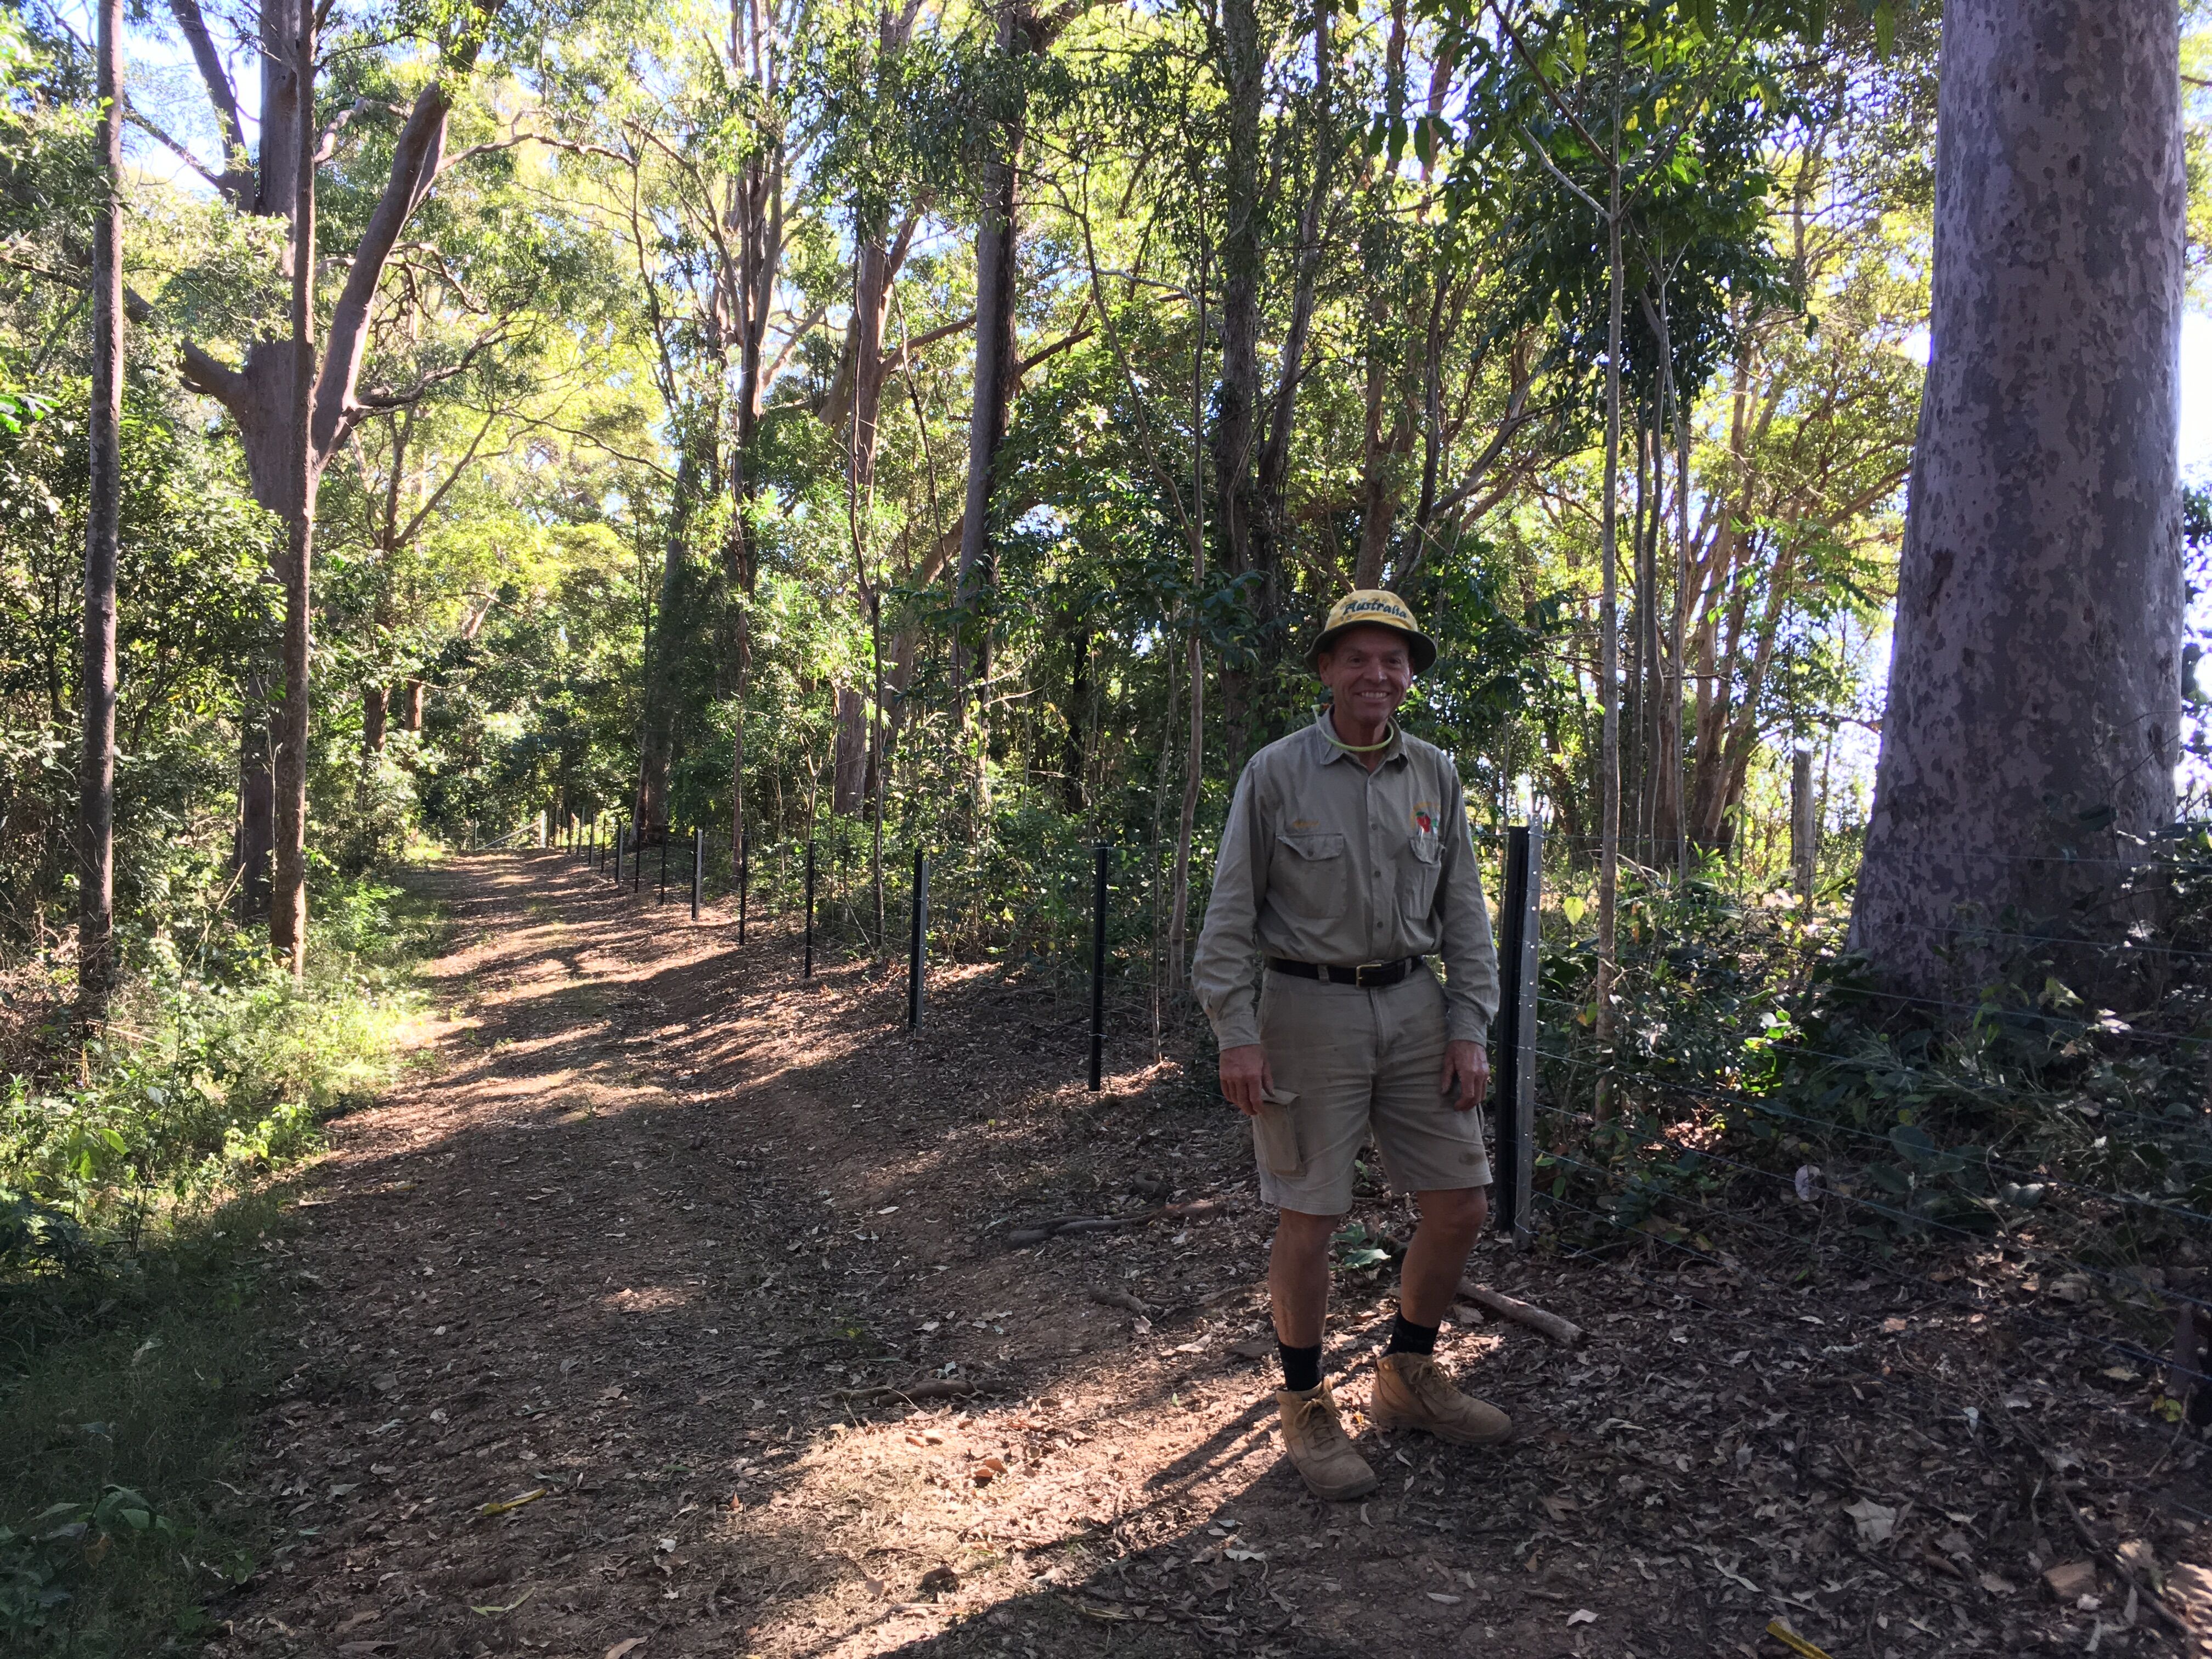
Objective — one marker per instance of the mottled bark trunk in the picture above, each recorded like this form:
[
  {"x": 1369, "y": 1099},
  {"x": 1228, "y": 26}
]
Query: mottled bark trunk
[
  {"x": 849, "y": 767},
  {"x": 1608, "y": 628},
  {"x": 992, "y": 401},
  {"x": 96, "y": 910},
  {"x": 375, "y": 709},
  {"x": 2029, "y": 743},
  {"x": 287, "y": 895},
  {"x": 411, "y": 706}
]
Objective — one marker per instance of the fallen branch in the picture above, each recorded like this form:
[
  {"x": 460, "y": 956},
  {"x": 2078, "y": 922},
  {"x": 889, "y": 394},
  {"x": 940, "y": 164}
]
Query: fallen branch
[
  {"x": 1565, "y": 1331},
  {"x": 939, "y": 1388},
  {"x": 2144, "y": 1594},
  {"x": 1070, "y": 1226}
]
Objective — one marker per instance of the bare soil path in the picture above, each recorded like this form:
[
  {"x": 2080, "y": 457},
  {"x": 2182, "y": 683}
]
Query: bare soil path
[{"x": 590, "y": 1315}]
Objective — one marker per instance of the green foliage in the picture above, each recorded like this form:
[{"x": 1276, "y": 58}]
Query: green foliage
[
  {"x": 216, "y": 1069},
  {"x": 124, "y": 1396},
  {"x": 1749, "y": 1044}
]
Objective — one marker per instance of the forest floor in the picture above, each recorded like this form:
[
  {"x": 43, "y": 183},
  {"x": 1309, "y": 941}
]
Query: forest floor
[{"x": 586, "y": 1313}]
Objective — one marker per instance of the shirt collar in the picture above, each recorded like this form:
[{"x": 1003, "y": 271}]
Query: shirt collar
[{"x": 1326, "y": 749}]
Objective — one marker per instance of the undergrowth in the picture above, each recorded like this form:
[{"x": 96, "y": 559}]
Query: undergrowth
[
  {"x": 1757, "y": 1072},
  {"x": 136, "y": 1175}
]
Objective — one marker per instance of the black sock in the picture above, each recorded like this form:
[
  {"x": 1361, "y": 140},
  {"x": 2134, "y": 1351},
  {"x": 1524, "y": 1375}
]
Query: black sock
[
  {"x": 1301, "y": 1366},
  {"x": 1406, "y": 1337}
]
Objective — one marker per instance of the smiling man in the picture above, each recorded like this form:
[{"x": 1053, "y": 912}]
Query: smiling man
[{"x": 1347, "y": 866}]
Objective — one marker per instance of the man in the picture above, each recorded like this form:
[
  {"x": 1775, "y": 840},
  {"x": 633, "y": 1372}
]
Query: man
[{"x": 1345, "y": 865}]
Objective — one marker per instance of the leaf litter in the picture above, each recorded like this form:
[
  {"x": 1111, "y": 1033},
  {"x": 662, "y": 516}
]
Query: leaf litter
[{"x": 906, "y": 1432}]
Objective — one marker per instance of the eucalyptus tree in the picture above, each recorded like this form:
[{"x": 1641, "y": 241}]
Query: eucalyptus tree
[
  {"x": 2029, "y": 750},
  {"x": 294, "y": 397},
  {"x": 95, "y": 968}
]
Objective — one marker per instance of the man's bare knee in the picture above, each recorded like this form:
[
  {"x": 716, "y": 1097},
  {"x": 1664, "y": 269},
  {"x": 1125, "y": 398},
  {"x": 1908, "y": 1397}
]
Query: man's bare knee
[
  {"x": 1299, "y": 1233},
  {"x": 1457, "y": 1210}
]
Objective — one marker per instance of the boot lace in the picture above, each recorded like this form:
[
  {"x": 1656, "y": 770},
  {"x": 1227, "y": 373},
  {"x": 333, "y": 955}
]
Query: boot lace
[{"x": 1329, "y": 1430}]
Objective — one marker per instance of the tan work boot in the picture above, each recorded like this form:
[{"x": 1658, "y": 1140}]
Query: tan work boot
[
  {"x": 1412, "y": 1392},
  {"x": 1313, "y": 1434}
]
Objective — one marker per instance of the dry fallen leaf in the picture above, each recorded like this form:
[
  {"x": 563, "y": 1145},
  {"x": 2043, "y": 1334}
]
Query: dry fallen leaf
[
  {"x": 1581, "y": 1616},
  {"x": 621, "y": 1649},
  {"x": 1875, "y": 1521},
  {"x": 2071, "y": 1580},
  {"x": 1449, "y": 1601}
]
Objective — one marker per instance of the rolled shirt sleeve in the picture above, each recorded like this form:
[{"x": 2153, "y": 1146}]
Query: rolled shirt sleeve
[
  {"x": 1224, "y": 971},
  {"x": 1470, "y": 957}
]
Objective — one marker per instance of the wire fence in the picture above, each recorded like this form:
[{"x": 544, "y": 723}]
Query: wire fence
[{"x": 1748, "y": 1096}]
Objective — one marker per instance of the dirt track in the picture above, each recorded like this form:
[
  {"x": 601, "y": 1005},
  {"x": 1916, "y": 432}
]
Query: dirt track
[{"x": 654, "y": 1216}]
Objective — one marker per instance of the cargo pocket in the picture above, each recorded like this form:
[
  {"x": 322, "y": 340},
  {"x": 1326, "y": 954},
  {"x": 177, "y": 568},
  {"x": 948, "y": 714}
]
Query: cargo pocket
[
  {"x": 1309, "y": 876},
  {"x": 1275, "y": 1138},
  {"x": 1417, "y": 877}
]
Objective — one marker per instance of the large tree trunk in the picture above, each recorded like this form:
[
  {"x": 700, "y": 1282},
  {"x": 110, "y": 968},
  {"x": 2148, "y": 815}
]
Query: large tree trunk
[
  {"x": 287, "y": 897},
  {"x": 1608, "y": 628},
  {"x": 375, "y": 708},
  {"x": 996, "y": 359},
  {"x": 848, "y": 772},
  {"x": 2029, "y": 742},
  {"x": 291, "y": 413},
  {"x": 96, "y": 910}
]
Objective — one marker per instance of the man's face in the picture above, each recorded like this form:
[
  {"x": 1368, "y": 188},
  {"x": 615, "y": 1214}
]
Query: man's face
[{"x": 1368, "y": 672}]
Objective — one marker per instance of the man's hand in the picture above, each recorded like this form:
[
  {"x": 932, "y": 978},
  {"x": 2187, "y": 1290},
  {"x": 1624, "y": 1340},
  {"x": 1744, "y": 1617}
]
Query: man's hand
[
  {"x": 1466, "y": 1065},
  {"x": 1245, "y": 1077}
]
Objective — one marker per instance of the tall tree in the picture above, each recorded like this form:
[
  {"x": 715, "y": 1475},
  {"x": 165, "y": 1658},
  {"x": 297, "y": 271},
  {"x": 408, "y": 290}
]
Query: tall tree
[
  {"x": 95, "y": 966},
  {"x": 292, "y": 408},
  {"x": 2028, "y": 750}
]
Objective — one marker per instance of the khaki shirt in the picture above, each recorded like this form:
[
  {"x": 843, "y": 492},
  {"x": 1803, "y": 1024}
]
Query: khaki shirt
[{"x": 1324, "y": 861}]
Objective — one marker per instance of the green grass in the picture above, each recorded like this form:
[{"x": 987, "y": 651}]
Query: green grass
[
  {"x": 125, "y": 1399},
  {"x": 135, "y": 1339}
]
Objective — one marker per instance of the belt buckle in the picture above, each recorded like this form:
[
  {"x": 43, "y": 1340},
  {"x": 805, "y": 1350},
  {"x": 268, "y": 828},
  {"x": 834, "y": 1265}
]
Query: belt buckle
[{"x": 1359, "y": 973}]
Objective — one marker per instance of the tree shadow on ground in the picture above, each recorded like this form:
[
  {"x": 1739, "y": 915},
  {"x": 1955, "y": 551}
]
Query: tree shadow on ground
[{"x": 668, "y": 1248}]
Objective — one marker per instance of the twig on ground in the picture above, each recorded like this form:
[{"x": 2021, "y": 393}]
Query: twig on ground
[
  {"x": 1068, "y": 1226},
  {"x": 2111, "y": 1558},
  {"x": 1565, "y": 1331}
]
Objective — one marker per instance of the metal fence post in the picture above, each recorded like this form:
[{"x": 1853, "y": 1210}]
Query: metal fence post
[
  {"x": 637, "y": 858},
  {"x": 622, "y": 841},
  {"x": 1517, "y": 1026},
  {"x": 918, "y": 943},
  {"x": 698, "y": 867},
  {"x": 745, "y": 875},
  {"x": 661, "y": 897},
  {"x": 808, "y": 973},
  {"x": 1099, "y": 970}
]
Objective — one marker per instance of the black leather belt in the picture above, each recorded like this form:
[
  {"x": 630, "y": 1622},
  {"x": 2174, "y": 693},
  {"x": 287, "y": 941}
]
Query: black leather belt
[{"x": 1368, "y": 976}]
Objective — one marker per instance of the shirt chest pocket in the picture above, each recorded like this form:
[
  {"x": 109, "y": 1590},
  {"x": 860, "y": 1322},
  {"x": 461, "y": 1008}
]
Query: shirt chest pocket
[
  {"x": 1417, "y": 875},
  {"x": 1311, "y": 876}
]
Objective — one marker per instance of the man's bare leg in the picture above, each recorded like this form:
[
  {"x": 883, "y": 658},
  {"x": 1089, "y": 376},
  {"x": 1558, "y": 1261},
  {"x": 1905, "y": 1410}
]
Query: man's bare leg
[
  {"x": 1451, "y": 1220},
  {"x": 1297, "y": 1276}
]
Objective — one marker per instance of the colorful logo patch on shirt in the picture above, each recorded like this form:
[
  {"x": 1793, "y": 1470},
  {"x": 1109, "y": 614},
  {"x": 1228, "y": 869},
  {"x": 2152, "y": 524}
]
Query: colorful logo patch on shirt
[{"x": 1423, "y": 822}]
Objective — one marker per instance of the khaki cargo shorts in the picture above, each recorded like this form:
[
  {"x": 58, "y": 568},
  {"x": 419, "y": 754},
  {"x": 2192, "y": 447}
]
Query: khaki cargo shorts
[{"x": 1347, "y": 1062}]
